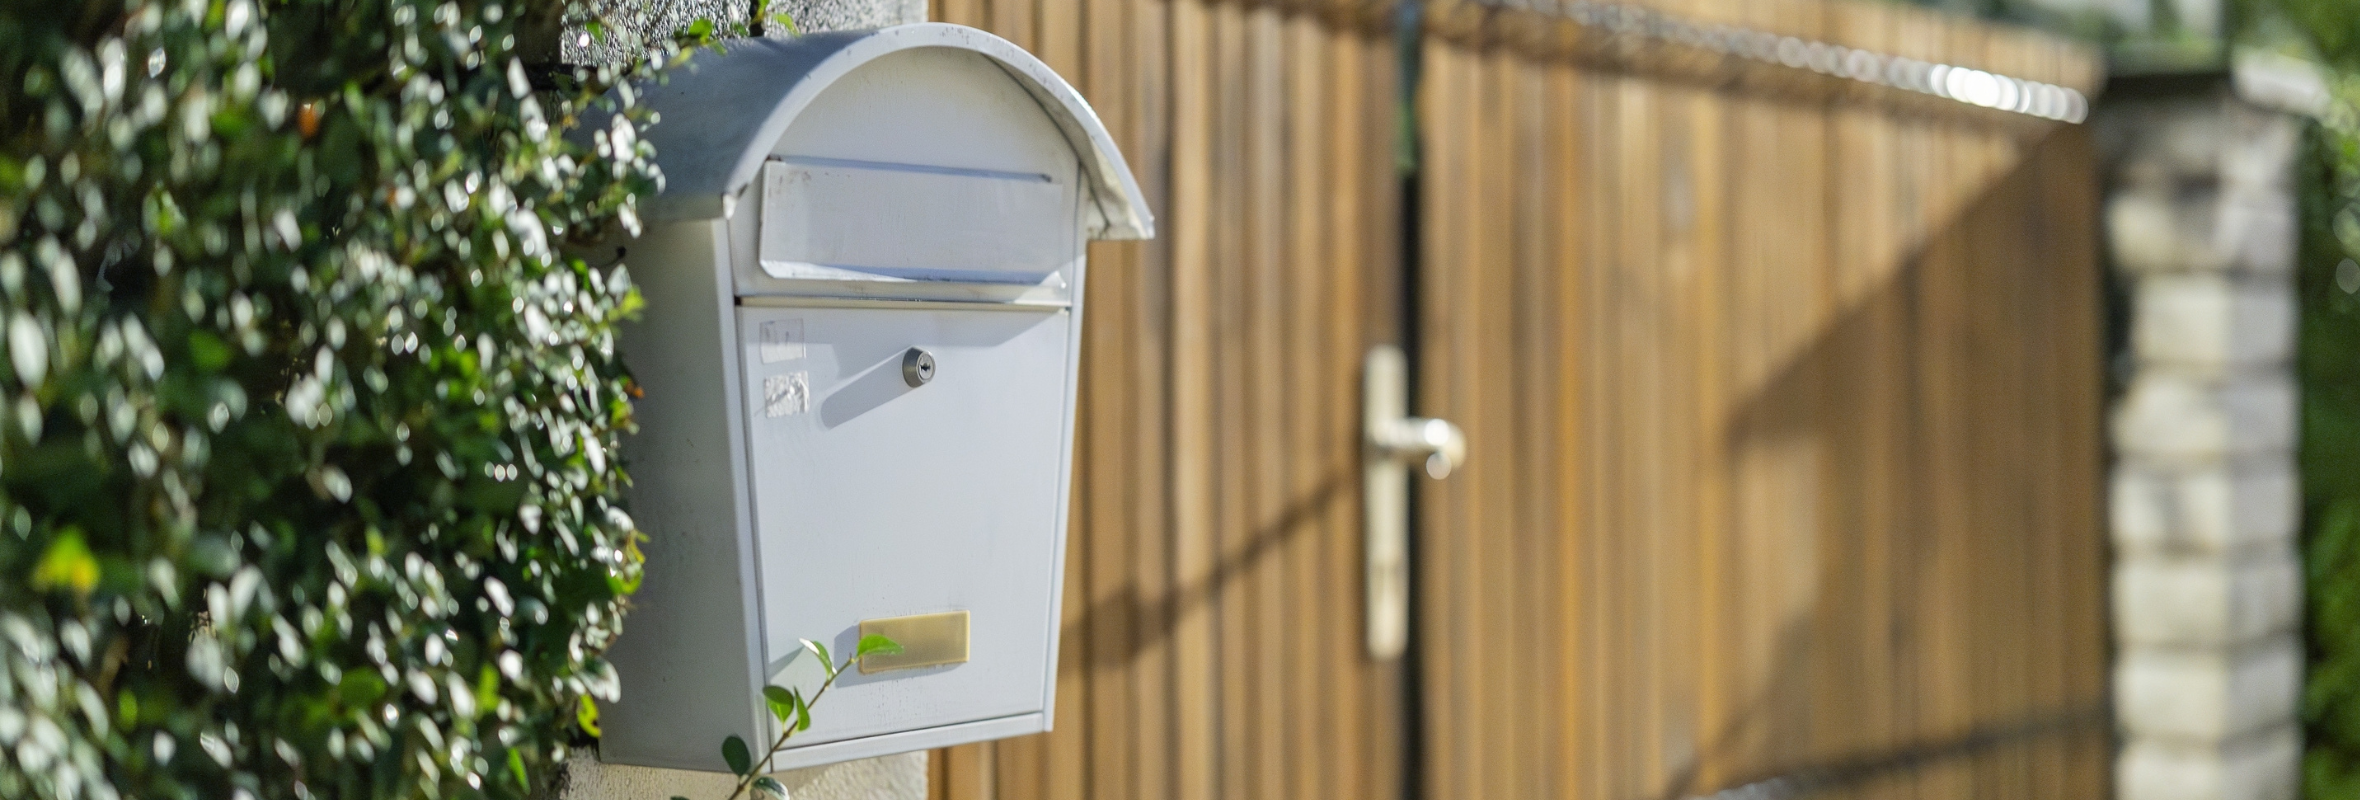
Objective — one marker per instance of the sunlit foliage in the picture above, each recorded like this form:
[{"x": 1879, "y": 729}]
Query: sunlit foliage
[
  {"x": 2330, "y": 27},
  {"x": 2330, "y": 463},
  {"x": 2328, "y": 291},
  {"x": 307, "y": 422}
]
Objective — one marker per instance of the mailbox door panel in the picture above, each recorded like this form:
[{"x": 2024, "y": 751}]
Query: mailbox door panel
[{"x": 877, "y": 499}]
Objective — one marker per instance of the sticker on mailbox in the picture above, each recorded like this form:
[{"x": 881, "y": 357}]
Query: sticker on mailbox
[
  {"x": 782, "y": 340},
  {"x": 786, "y": 394}
]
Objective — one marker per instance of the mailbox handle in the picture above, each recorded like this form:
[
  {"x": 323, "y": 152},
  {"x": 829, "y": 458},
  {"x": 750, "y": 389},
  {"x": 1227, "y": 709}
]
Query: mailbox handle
[{"x": 1391, "y": 440}]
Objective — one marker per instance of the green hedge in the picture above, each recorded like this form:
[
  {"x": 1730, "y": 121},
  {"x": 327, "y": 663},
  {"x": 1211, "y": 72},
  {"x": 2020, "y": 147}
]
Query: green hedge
[
  {"x": 2330, "y": 463},
  {"x": 2328, "y": 295},
  {"x": 307, "y": 431}
]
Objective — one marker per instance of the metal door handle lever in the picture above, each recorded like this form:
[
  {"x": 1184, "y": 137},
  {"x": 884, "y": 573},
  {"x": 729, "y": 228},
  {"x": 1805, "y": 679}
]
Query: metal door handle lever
[
  {"x": 1391, "y": 441},
  {"x": 1408, "y": 439}
]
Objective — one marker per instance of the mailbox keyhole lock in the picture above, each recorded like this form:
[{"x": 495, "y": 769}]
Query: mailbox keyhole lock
[{"x": 917, "y": 367}]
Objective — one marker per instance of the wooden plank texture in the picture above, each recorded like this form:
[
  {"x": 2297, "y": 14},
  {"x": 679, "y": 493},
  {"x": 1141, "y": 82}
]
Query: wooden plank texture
[
  {"x": 1783, "y": 405},
  {"x": 1211, "y": 645},
  {"x": 1783, "y": 416}
]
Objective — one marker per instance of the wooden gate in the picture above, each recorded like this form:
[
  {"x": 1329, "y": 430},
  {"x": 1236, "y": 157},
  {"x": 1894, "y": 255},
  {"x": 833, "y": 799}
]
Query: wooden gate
[
  {"x": 1785, "y": 398},
  {"x": 1783, "y": 401}
]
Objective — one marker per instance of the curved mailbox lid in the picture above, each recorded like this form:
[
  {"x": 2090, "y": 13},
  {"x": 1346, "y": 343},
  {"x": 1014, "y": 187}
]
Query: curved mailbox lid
[{"x": 722, "y": 112}]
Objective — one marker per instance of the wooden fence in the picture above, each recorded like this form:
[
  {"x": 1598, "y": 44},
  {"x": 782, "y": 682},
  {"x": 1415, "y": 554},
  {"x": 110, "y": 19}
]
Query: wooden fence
[{"x": 1783, "y": 398}]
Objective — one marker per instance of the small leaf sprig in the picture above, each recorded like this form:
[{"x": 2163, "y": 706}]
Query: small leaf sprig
[{"x": 793, "y": 712}]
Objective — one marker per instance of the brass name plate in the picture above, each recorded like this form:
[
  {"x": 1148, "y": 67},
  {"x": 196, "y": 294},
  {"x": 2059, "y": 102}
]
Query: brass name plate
[{"x": 927, "y": 640}]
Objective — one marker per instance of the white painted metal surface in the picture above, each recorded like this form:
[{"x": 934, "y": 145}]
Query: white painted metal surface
[
  {"x": 724, "y": 111},
  {"x": 997, "y": 235},
  {"x": 833, "y": 202},
  {"x": 879, "y": 499}
]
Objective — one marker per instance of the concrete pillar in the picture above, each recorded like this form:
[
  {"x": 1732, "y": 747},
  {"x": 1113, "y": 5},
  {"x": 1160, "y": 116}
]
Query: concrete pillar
[
  {"x": 901, "y": 777},
  {"x": 2207, "y": 594}
]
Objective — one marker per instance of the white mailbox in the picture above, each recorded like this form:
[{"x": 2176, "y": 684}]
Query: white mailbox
[{"x": 864, "y": 299}]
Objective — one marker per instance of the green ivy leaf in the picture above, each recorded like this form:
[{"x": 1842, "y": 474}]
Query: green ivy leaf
[
  {"x": 781, "y": 702},
  {"x": 208, "y": 350},
  {"x": 587, "y": 716},
  {"x": 802, "y": 713},
  {"x": 360, "y": 687},
  {"x": 735, "y": 753},
  {"x": 771, "y": 786},
  {"x": 67, "y": 564},
  {"x": 877, "y": 644},
  {"x": 826, "y": 662}
]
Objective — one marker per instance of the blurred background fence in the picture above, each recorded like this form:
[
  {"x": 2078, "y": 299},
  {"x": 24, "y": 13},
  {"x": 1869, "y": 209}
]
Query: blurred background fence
[{"x": 1788, "y": 402}]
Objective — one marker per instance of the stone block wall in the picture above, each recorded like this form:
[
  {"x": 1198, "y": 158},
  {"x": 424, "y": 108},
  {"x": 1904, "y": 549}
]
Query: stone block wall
[{"x": 2207, "y": 594}]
